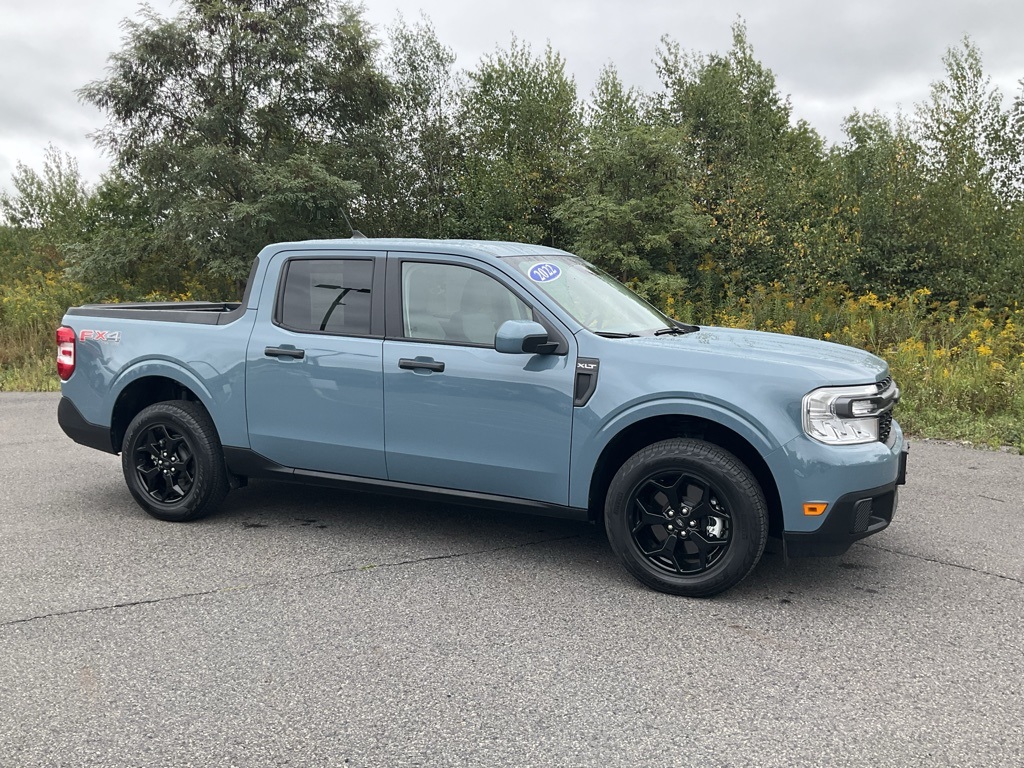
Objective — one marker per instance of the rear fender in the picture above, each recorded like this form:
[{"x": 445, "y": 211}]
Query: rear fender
[{"x": 163, "y": 369}]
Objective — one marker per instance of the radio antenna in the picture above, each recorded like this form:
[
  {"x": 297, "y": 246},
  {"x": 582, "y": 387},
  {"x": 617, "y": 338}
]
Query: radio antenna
[{"x": 356, "y": 234}]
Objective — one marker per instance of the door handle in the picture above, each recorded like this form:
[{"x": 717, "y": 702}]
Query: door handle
[
  {"x": 298, "y": 354},
  {"x": 428, "y": 365}
]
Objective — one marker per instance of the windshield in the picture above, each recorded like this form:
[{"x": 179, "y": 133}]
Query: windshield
[{"x": 594, "y": 299}]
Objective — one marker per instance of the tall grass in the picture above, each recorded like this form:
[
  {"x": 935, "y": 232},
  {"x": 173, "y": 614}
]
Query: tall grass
[{"x": 30, "y": 311}]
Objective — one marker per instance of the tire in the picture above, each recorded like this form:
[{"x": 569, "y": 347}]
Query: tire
[
  {"x": 686, "y": 517},
  {"x": 173, "y": 461}
]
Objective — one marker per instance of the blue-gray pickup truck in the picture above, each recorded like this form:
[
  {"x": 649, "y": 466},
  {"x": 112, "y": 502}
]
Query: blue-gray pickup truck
[{"x": 498, "y": 375}]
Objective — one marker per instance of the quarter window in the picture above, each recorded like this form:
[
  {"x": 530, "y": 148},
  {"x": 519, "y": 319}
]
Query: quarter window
[
  {"x": 446, "y": 302},
  {"x": 327, "y": 296}
]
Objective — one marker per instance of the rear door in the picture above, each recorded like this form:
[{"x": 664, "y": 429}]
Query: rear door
[
  {"x": 314, "y": 386},
  {"x": 459, "y": 414}
]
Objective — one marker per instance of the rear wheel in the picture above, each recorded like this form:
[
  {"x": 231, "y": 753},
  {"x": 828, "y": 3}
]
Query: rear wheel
[
  {"x": 173, "y": 461},
  {"x": 686, "y": 517}
]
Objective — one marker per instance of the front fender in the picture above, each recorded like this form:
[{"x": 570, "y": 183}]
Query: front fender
[{"x": 590, "y": 439}]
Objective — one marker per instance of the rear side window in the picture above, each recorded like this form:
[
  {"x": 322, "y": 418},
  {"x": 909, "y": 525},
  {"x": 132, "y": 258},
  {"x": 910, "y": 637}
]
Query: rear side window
[{"x": 327, "y": 296}]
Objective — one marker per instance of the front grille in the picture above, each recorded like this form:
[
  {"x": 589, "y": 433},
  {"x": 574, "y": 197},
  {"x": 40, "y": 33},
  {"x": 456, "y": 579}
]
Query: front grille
[
  {"x": 884, "y": 426},
  {"x": 884, "y": 419}
]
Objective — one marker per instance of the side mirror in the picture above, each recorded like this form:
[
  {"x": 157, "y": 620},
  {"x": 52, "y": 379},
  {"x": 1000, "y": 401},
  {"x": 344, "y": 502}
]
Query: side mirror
[{"x": 516, "y": 337}]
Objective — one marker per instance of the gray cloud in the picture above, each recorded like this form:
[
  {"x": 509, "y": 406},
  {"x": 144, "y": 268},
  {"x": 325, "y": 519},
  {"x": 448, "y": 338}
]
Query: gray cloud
[{"x": 830, "y": 58}]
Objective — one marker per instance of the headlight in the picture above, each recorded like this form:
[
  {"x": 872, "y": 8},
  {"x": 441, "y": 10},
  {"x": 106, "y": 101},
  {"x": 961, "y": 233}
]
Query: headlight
[{"x": 846, "y": 415}]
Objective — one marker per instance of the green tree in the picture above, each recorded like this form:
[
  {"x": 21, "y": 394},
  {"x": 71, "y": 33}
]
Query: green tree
[
  {"x": 879, "y": 185},
  {"x": 521, "y": 122},
  {"x": 634, "y": 210},
  {"x": 755, "y": 172},
  {"x": 971, "y": 232},
  {"x": 1012, "y": 176},
  {"x": 410, "y": 189},
  {"x": 44, "y": 210},
  {"x": 230, "y": 125},
  {"x": 47, "y": 206}
]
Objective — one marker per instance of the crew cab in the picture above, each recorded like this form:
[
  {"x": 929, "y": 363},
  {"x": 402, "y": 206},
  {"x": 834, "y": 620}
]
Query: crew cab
[{"x": 498, "y": 375}]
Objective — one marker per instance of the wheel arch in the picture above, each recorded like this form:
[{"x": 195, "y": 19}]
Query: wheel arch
[
  {"x": 144, "y": 391},
  {"x": 653, "y": 429}
]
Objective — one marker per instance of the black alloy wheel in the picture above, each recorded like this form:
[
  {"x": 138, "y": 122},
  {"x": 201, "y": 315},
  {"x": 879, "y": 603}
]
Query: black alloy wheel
[
  {"x": 686, "y": 517},
  {"x": 173, "y": 462},
  {"x": 678, "y": 522},
  {"x": 165, "y": 464}
]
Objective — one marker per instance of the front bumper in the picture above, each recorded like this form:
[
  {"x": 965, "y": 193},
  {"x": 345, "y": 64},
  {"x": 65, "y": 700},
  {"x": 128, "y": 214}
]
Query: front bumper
[{"x": 851, "y": 517}]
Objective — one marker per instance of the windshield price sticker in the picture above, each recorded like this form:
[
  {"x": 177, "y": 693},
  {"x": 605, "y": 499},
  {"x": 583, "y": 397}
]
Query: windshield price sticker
[{"x": 544, "y": 272}]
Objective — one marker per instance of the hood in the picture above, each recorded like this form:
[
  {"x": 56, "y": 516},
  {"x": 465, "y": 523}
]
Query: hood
[{"x": 753, "y": 350}]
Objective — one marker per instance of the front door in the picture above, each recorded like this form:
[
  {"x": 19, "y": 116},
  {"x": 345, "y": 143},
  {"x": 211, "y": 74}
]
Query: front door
[{"x": 459, "y": 414}]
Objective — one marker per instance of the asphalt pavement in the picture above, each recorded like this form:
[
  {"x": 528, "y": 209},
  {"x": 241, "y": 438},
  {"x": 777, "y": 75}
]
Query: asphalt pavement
[{"x": 308, "y": 627}]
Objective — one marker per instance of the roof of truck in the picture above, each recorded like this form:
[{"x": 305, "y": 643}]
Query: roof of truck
[{"x": 494, "y": 248}]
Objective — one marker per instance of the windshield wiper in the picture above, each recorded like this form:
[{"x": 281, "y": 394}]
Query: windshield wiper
[
  {"x": 678, "y": 328},
  {"x": 614, "y": 335}
]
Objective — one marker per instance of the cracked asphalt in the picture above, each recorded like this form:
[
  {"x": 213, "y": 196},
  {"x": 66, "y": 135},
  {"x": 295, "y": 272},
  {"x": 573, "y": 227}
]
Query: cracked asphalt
[{"x": 307, "y": 627}]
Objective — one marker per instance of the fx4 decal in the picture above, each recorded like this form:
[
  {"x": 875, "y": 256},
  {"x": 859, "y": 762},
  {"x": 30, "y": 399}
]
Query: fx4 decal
[{"x": 114, "y": 336}]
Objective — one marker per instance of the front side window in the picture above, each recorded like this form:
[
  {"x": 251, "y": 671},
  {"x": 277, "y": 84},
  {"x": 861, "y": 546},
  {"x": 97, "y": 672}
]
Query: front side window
[
  {"x": 446, "y": 302},
  {"x": 327, "y": 296}
]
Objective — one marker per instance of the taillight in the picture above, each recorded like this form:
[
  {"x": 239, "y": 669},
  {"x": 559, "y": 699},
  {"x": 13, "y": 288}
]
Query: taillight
[{"x": 65, "y": 352}]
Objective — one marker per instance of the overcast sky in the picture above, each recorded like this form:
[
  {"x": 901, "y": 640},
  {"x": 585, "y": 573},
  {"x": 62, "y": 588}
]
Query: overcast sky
[{"x": 828, "y": 57}]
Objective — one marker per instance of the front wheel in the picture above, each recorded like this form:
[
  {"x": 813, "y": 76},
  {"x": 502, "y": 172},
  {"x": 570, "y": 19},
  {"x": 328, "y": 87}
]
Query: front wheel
[
  {"x": 173, "y": 461},
  {"x": 686, "y": 517}
]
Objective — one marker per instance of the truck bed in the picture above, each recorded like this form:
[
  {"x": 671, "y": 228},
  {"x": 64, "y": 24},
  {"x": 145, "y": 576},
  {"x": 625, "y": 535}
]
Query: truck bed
[{"x": 202, "y": 312}]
